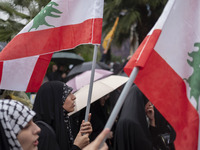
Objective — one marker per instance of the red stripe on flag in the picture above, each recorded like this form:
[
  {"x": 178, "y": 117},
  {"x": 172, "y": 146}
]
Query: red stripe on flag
[
  {"x": 97, "y": 31},
  {"x": 167, "y": 91},
  {"x": 39, "y": 73},
  {"x": 54, "y": 39},
  {"x": 139, "y": 58},
  {"x": 1, "y": 70}
]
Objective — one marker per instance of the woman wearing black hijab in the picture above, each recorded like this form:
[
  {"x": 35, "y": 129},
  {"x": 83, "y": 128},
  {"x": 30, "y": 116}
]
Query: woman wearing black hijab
[
  {"x": 163, "y": 135},
  {"x": 132, "y": 131},
  {"x": 53, "y": 102}
]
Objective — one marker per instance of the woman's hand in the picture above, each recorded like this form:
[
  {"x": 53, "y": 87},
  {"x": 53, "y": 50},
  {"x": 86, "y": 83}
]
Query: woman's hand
[
  {"x": 86, "y": 127},
  {"x": 81, "y": 140},
  {"x": 110, "y": 135},
  {"x": 149, "y": 109},
  {"x": 95, "y": 145}
]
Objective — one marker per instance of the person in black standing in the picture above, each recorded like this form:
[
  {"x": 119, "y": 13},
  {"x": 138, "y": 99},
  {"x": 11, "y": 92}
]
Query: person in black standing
[
  {"x": 163, "y": 135},
  {"x": 141, "y": 126},
  {"x": 53, "y": 102},
  {"x": 132, "y": 131}
]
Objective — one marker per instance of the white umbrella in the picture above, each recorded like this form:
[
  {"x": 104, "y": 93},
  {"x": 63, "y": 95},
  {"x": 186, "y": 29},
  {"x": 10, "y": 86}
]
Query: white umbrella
[
  {"x": 84, "y": 78},
  {"x": 100, "y": 89}
]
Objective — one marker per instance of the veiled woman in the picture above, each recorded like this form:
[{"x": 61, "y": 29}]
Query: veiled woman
[
  {"x": 53, "y": 102},
  {"x": 132, "y": 131}
]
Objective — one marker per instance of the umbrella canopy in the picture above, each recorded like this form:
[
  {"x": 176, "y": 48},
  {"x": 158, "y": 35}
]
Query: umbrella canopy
[
  {"x": 84, "y": 78},
  {"x": 100, "y": 88},
  {"x": 84, "y": 67},
  {"x": 67, "y": 58}
]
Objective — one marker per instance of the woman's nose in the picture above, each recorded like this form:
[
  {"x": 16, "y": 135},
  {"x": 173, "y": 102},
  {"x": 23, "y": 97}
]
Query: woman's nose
[
  {"x": 37, "y": 130},
  {"x": 73, "y": 97}
]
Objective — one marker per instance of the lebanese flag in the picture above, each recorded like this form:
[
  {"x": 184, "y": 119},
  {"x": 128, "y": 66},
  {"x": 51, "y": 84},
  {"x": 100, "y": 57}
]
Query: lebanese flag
[
  {"x": 169, "y": 74},
  {"x": 61, "y": 25}
]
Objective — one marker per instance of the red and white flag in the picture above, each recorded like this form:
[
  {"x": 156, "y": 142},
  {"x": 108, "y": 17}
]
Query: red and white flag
[
  {"x": 169, "y": 75},
  {"x": 61, "y": 25}
]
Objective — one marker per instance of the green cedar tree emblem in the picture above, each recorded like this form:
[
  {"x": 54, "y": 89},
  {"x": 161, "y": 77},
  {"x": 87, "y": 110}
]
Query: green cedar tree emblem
[
  {"x": 47, "y": 11},
  {"x": 194, "y": 79}
]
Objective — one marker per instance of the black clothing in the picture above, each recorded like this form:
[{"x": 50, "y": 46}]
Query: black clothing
[
  {"x": 47, "y": 137},
  {"x": 3, "y": 139},
  {"x": 48, "y": 107},
  {"x": 162, "y": 128},
  {"x": 132, "y": 131},
  {"x": 98, "y": 119},
  {"x": 56, "y": 76},
  {"x": 106, "y": 58},
  {"x": 114, "y": 97}
]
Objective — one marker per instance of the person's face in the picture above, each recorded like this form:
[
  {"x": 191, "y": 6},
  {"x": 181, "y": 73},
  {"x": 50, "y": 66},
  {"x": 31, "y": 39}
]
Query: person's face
[
  {"x": 54, "y": 68},
  {"x": 28, "y": 136},
  {"x": 69, "y": 103},
  {"x": 103, "y": 99}
]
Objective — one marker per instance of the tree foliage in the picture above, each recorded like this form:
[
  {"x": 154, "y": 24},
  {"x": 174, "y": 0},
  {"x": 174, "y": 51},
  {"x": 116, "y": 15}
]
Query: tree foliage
[
  {"x": 19, "y": 13},
  {"x": 144, "y": 13}
]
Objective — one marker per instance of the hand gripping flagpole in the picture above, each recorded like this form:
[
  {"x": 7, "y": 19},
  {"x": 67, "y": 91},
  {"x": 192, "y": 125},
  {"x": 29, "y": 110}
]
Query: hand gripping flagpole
[
  {"x": 121, "y": 100},
  {"x": 91, "y": 83}
]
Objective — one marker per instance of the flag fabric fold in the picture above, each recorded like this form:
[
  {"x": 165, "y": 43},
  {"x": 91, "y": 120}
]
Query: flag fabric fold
[
  {"x": 169, "y": 69},
  {"x": 61, "y": 25}
]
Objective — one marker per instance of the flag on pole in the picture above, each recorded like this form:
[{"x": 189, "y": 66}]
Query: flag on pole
[
  {"x": 61, "y": 25},
  {"x": 109, "y": 37},
  {"x": 169, "y": 72}
]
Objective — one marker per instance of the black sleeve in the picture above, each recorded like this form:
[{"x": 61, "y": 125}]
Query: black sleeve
[{"x": 74, "y": 147}]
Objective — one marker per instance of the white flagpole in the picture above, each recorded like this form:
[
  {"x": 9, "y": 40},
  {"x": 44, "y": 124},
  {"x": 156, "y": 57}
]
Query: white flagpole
[
  {"x": 121, "y": 100},
  {"x": 91, "y": 83}
]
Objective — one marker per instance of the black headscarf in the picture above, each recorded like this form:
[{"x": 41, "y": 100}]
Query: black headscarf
[
  {"x": 49, "y": 108},
  {"x": 132, "y": 131}
]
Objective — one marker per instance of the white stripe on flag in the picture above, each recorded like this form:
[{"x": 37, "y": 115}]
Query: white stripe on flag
[
  {"x": 17, "y": 73},
  {"x": 181, "y": 26},
  {"x": 76, "y": 11}
]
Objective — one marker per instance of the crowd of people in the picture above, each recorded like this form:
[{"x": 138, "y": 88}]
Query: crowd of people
[{"x": 46, "y": 124}]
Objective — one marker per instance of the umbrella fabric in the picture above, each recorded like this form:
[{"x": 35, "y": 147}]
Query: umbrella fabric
[
  {"x": 84, "y": 67},
  {"x": 100, "y": 88},
  {"x": 84, "y": 78},
  {"x": 67, "y": 58}
]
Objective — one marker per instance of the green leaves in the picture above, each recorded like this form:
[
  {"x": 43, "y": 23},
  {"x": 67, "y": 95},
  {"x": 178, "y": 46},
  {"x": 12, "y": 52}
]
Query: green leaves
[
  {"x": 19, "y": 13},
  {"x": 143, "y": 13}
]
